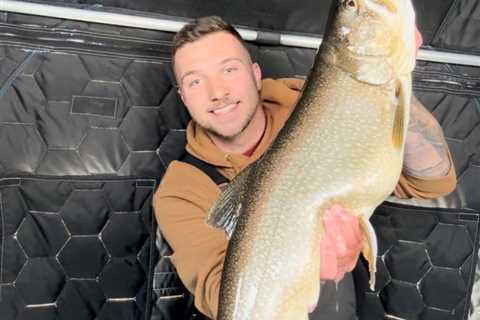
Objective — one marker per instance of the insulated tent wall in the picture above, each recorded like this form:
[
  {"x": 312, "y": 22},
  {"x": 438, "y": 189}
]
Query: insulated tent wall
[{"x": 89, "y": 120}]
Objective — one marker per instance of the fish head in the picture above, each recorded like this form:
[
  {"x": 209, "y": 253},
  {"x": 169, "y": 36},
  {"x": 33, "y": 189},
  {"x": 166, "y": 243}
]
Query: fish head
[{"x": 373, "y": 39}]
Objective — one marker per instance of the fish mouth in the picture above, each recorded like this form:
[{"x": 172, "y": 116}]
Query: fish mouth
[
  {"x": 391, "y": 10},
  {"x": 224, "y": 109},
  {"x": 384, "y": 8}
]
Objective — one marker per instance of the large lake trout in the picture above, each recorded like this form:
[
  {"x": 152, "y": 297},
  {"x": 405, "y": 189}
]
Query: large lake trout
[{"x": 342, "y": 145}]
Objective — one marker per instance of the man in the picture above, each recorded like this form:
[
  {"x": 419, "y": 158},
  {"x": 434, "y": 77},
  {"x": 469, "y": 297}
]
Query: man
[{"x": 235, "y": 117}]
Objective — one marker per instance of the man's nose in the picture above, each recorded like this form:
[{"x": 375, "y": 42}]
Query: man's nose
[{"x": 218, "y": 89}]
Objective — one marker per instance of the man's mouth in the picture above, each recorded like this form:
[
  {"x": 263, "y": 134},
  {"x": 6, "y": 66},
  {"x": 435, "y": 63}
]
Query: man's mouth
[{"x": 224, "y": 109}]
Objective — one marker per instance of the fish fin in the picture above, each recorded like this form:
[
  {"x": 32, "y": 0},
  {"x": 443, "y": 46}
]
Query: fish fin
[
  {"x": 316, "y": 297},
  {"x": 370, "y": 250},
  {"x": 403, "y": 94},
  {"x": 226, "y": 210},
  {"x": 313, "y": 289}
]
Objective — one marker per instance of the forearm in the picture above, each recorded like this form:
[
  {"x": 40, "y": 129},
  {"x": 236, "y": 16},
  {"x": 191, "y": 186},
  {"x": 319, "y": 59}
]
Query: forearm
[{"x": 426, "y": 151}]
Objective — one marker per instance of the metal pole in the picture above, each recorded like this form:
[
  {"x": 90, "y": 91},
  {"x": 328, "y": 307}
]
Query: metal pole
[
  {"x": 89, "y": 15},
  {"x": 125, "y": 20},
  {"x": 448, "y": 57}
]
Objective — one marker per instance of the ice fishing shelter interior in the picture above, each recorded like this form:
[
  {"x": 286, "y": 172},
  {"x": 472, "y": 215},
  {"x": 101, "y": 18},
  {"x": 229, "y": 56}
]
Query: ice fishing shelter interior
[{"x": 90, "y": 119}]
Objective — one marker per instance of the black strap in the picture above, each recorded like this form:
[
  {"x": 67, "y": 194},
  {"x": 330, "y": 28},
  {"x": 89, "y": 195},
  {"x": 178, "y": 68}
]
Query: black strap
[{"x": 206, "y": 167}]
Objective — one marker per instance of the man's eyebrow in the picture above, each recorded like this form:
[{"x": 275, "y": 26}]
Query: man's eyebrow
[
  {"x": 231, "y": 59},
  {"x": 221, "y": 62}
]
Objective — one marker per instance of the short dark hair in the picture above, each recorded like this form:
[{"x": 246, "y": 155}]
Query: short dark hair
[{"x": 201, "y": 27}]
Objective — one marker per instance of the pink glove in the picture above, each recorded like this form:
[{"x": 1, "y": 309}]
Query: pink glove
[{"x": 341, "y": 244}]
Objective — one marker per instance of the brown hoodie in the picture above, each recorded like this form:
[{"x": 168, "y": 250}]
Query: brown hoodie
[{"x": 186, "y": 194}]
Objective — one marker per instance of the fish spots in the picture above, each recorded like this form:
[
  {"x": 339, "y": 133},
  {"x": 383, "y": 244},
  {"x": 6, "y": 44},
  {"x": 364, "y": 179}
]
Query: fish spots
[
  {"x": 358, "y": 49},
  {"x": 384, "y": 8},
  {"x": 344, "y": 31}
]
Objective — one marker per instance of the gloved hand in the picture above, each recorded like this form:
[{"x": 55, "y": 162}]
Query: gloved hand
[{"x": 341, "y": 244}]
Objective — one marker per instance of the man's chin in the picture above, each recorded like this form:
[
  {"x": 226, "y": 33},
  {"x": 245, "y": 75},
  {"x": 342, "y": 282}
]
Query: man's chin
[
  {"x": 225, "y": 136},
  {"x": 230, "y": 132}
]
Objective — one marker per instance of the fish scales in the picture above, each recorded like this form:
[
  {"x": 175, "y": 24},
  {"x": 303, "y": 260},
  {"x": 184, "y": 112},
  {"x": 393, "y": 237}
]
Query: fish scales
[{"x": 340, "y": 146}]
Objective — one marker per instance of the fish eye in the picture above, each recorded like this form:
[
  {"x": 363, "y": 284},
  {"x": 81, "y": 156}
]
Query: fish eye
[{"x": 352, "y": 4}]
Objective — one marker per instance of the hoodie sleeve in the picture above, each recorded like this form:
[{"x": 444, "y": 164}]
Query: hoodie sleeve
[
  {"x": 181, "y": 204},
  {"x": 281, "y": 94},
  {"x": 426, "y": 187}
]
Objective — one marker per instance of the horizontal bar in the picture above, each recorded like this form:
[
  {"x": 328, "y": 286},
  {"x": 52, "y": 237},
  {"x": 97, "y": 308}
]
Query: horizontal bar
[
  {"x": 89, "y": 15},
  {"x": 423, "y": 54},
  {"x": 126, "y": 20},
  {"x": 449, "y": 57}
]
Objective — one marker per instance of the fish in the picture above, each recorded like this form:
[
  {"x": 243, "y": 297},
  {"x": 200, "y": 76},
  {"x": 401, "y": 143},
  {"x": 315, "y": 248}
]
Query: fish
[{"x": 342, "y": 145}]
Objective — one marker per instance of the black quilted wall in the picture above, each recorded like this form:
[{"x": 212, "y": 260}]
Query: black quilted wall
[
  {"x": 73, "y": 250},
  {"x": 426, "y": 264},
  {"x": 452, "y": 94},
  {"x": 82, "y": 114},
  {"x": 89, "y": 120}
]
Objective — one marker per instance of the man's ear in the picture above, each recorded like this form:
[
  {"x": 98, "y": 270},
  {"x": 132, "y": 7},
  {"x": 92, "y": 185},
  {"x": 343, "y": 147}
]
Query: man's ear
[
  {"x": 257, "y": 73},
  {"x": 172, "y": 75},
  {"x": 182, "y": 97},
  {"x": 180, "y": 93}
]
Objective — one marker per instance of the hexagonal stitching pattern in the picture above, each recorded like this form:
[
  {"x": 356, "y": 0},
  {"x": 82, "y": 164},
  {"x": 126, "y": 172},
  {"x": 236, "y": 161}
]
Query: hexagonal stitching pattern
[
  {"x": 58, "y": 264},
  {"x": 452, "y": 94},
  {"x": 75, "y": 114},
  {"x": 412, "y": 272}
]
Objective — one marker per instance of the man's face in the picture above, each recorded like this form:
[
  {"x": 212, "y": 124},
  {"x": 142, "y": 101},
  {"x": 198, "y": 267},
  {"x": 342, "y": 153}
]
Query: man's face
[{"x": 218, "y": 83}]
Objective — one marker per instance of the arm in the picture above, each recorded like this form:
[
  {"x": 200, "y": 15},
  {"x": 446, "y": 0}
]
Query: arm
[
  {"x": 180, "y": 205},
  {"x": 428, "y": 170},
  {"x": 426, "y": 151}
]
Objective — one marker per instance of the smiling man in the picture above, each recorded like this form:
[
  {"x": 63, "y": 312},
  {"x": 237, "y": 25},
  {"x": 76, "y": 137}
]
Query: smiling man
[
  {"x": 235, "y": 117},
  {"x": 219, "y": 84}
]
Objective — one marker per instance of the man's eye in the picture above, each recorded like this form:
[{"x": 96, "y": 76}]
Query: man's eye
[
  {"x": 194, "y": 83},
  {"x": 230, "y": 69}
]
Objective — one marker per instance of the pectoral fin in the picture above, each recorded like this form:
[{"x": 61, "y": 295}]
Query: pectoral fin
[
  {"x": 226, "y": 210},
  {"x": 403, "y": 93},
  {"x": 370, "y": 250}
]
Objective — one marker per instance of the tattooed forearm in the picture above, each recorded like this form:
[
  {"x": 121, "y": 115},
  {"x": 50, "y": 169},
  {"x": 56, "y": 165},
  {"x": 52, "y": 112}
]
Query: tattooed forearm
[{"x": 426, "y": 151}]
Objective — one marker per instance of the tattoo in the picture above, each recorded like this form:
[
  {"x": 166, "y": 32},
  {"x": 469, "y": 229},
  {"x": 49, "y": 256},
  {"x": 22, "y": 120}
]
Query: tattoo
[{"x": 426, "y": 151}]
